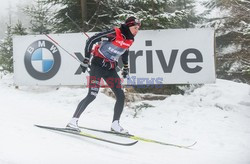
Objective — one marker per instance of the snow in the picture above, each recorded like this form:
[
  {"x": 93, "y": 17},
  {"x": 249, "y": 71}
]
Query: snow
[
  {"x": 230, "y": 49},
  {"x": 199, "y": 8},
  {"x": 217, "y": 116}
]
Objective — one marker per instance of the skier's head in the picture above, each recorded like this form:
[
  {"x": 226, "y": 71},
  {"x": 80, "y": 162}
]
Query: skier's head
[{"x": 133, "y": 24}]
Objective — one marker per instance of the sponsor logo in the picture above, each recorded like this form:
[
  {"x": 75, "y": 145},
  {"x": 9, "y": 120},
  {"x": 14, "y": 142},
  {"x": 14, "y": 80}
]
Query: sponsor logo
[
  {"x": 42, "y": 60},
  {"x": 112, "y": 50},
  {"x": 191, "y": 60},
  {"x": 122, "y": 43},
  {"x": 167, "y": 61}
]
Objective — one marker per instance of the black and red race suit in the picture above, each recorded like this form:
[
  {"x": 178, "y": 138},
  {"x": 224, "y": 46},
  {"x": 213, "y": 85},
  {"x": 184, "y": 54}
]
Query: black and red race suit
[{"x": 109, "y": 47}]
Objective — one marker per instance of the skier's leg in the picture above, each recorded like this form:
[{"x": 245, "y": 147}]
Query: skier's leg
[
  {"x": 92, "y": 93},
  {"x": 120, "y": 98},
  {"x": 114, "y": 82},
  {"x": 94, "y": 85}
]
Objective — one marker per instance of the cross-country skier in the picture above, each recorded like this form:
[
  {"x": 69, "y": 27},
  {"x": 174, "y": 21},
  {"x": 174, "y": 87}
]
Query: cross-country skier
[{"x": 110, "y": 46}]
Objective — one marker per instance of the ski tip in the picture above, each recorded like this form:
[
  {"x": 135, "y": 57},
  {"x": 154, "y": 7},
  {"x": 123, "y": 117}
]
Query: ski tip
[
  {"x": 40, "y": 126},
  {"x": 133, "y": 143},
  {"x": 193, "y": 144},
  {"x": 190, "y": 146}
]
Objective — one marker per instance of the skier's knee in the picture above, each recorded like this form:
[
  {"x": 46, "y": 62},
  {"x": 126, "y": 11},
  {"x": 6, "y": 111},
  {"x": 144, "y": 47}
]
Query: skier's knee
[
  {"x": 92, "y": 95},
  {"x": 91, "y": 98},
  {"x": 120, "y": 96}
]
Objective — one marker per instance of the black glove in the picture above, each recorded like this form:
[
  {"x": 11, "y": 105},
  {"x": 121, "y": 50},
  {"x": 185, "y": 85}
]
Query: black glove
[
  {"x": 125, "y": 71},
  {"x": 84, "y": 65}
]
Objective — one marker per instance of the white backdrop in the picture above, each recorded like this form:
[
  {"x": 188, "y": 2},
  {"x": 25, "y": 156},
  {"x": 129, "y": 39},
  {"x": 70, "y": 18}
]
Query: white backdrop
[{"x": 159, "y": 55}]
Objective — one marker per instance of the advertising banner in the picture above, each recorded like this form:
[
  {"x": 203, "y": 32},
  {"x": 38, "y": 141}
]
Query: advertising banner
[{"x": 175, "y": 56}]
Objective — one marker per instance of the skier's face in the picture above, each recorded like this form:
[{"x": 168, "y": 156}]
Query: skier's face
[{"x": 134, "y": 29}]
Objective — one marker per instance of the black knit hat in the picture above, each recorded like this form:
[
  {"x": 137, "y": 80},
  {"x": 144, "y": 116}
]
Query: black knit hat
[{"x": 132, "y": 21}]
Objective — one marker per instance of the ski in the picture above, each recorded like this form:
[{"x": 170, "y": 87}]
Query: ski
[
  {"x": 83, "y": 134},
  {"x": 137, "y": 138}
]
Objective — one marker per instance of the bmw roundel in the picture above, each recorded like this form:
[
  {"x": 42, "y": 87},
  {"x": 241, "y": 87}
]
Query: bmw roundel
[{"x": 42, "y": 60}]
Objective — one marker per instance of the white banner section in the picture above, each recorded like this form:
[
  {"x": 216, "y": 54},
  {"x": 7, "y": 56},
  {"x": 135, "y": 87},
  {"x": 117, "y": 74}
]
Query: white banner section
[{"x": 178, "y": 56}]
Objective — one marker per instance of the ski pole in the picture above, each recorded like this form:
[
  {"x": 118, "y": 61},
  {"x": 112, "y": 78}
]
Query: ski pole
[
  {"x": 50, "y": 38},
  {"x": 63, "y": 49},
  {"x": 66, "y": 14}
]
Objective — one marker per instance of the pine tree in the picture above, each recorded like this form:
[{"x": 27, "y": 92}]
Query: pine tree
[
  {"x": 40, "y": 15},
  {"x": 104, "y": 14},
  {"x": 74, "y": 10},
  {"x": 6, "y": 46},
  {"x": 155, "y": 14},
  {"x": 232, "y": 37},
  {"x": 18, "y": 29},
  {"x": 6, "y": 51},
  {"x": 187, "y": 6}
]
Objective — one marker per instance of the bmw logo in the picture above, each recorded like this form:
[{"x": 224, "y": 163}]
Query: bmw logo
[{"x": 42, "y": 60}]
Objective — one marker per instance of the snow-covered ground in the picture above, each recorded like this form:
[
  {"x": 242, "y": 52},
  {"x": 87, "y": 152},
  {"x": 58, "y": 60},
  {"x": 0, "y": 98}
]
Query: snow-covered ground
[{"x": 217, "y": 116}]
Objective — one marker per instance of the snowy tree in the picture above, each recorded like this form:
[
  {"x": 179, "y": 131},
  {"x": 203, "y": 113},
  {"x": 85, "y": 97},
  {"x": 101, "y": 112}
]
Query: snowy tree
[
  {"x": 74, "y": 9},
  {"x": 18, "y": 29},
  {"x": 188, "y": 6},
  {"x": 6, "y": 46},
  {"x": 155, "y": 14},
  {"x": 6, "y": 51},
  {"x": 232, "y": 37},
  {"x": 40, "y": 15}
]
